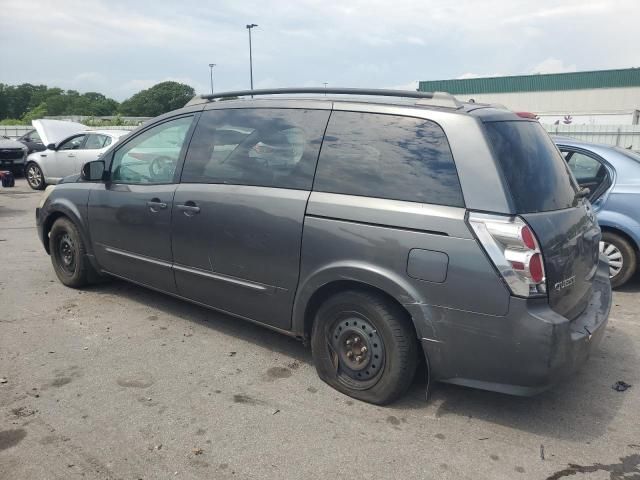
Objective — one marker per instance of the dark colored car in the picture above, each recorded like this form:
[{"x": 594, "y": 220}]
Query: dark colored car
[
  {"x": 381, "y": 230},
  {"x": 12, "y": 155},
  {"x": 32, "y": 141}
]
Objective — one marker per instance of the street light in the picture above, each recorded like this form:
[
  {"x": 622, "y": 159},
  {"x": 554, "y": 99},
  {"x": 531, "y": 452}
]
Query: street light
[
  {"x": 325, "y": 88},
  {"x": 249, "y": 27},
  {"x": 211, "y": 65}
]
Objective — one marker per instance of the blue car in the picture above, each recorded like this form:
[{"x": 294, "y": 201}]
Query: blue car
[{"x": 612, "y": 175}]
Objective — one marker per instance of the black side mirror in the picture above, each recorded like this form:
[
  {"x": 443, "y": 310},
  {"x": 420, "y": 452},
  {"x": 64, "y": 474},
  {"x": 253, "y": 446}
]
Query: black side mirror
[
  {"x": 92, "y": 171},
  {"x": 51, "y": 146}
]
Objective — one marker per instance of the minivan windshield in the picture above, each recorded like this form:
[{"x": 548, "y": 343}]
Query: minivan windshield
[{"x": 536, "y": 174}]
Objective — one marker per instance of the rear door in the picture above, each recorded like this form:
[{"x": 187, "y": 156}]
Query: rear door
[
  {"x": 589, "y": 171},
  {"x": 238, "y": 212},
  {"x": 130, "y": 214},
  {"x": 91, "y": 150},
  {"x": 544, "y": 194}
]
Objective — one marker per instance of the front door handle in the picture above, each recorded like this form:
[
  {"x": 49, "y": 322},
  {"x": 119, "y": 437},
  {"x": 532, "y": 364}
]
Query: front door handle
[
  {"x": 71, "y": 155},
  {"x": 189, "y": 208},
  {"x": 155, "y": 205}
]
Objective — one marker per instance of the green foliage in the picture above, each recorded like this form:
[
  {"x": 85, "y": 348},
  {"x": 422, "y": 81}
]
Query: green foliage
[
  {"x": 27, "y": 101},
  {"x": 159, "y": 99},
  {"x": 12, "y": 121},
  {"x": 35, "y": 113}
]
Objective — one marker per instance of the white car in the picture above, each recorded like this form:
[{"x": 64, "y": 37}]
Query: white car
[{"x": 69, "y": 146}]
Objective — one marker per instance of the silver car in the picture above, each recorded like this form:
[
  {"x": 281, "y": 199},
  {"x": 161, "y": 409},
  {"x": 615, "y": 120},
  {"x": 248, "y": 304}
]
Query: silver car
[
  {"x": 69, "y": 146},
  {"x": 612, "y": 175}
]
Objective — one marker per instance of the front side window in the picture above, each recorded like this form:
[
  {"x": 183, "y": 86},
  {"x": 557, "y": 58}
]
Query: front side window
[
  {"x": 74, "y": 143},
  {"x": 388, "y": 156},
  {"x": 260, "y": 147},
  {"x": 152, "y": 156}
]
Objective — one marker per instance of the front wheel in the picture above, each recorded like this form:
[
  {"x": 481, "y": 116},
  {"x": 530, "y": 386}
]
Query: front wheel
[
  {"x": 364, "y": 346},
  {"x": 622, "y": 258},
  {"x": 68, "y": 254},
  {"x": 34, "y": 175}
]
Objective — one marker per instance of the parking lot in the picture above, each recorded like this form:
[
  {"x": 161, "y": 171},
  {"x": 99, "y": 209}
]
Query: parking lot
[{"x": 117, "y": 381}]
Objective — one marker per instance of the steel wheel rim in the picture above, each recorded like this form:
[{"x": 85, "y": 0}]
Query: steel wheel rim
[
  {"x": 616, "y": 260},
  {"x": 34, "y": 176},
  {"x": 67, "y": 253},
  {"x": 357, "y": 351}
]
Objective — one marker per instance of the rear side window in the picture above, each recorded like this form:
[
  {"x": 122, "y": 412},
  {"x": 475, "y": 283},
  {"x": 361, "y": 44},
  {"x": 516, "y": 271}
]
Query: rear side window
[
  {"x": 388, "y": 156},
  {"x": 260, "y": 147},
  {"x": 536, "y": 174}
]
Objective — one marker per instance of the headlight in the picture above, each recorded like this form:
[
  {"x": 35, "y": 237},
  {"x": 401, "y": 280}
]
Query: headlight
[{"x": 45, "y": 195}]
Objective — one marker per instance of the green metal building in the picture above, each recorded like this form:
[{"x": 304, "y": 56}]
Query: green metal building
[{"x": 595, "y": 97}]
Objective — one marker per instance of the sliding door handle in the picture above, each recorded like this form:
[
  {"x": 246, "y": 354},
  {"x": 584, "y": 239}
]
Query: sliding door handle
[{"x": 188, "y": 208}]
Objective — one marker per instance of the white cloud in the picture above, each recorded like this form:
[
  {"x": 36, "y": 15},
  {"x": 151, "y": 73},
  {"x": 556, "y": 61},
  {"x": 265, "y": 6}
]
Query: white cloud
[
  {"x": 478, "y": 75},
  {"x": 553, "y": 65},
  {"x": 118, "y": 46},
  {"x": 413, "y": 85}
]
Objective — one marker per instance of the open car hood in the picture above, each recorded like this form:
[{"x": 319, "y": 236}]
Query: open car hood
[{"x": 53, "y": 131}]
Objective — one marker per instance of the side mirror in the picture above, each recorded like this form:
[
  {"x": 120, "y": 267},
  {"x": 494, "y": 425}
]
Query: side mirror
[
  {"x": 92, "y": 171},
  {"x": 51, "y": 146}
]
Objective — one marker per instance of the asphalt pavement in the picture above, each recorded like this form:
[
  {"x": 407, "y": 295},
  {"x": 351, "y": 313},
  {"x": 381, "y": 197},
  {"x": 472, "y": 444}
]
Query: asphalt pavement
[{"x": 116, "y": 381}]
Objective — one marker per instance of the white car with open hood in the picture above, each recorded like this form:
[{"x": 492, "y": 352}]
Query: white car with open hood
[{"x": 69, "y": 146}]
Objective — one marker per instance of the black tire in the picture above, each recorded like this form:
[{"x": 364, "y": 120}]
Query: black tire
[
  {"x": 391, "y": 343},
  {"x": 68, "y": 254},
  {"x": 35, "y": 178},
  {"x": 629, "y": 258}
]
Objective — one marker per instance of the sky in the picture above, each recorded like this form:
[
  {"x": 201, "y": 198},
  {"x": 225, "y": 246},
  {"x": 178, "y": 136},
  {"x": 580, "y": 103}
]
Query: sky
[{"x": 118, "y": 48}]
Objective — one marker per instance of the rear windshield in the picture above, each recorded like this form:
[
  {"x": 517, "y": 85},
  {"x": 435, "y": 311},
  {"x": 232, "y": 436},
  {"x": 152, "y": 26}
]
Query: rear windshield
[{"x": 536, "y": 173}]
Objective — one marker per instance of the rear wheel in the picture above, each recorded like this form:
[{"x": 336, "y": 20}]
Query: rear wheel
[
  {"x": 34, "y": 175},
  {"x": 622, "y": 258},
  {"x": 68, "y": 254},
  {"x": 364, "y": 346}
]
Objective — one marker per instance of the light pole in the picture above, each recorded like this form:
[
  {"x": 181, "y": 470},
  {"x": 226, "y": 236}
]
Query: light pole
[
  {"x": 211, "y": 65},
  {"x": 325, "y": 88},
  {"x": 249, "y": 27}
]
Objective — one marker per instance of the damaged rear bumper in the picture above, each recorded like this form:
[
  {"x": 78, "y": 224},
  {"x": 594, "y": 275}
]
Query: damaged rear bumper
[{"x": 523, "y": 353}]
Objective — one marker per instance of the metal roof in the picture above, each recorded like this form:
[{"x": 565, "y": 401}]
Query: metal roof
[{"x": 628, "y": 77}]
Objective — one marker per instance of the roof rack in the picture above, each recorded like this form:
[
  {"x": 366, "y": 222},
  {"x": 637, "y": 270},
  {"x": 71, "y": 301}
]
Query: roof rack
[{"x": 425, "y": 98}]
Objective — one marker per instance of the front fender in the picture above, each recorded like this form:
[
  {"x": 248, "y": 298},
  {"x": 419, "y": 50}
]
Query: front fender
[
  {"x": 368, "y": 275},
  {"x": 72, "y": 205}
]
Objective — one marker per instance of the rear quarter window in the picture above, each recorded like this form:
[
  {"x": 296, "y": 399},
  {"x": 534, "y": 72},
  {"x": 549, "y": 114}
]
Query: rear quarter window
[
  {"x": 388, "y": 156},
  {"x": 535, "y": 172}
]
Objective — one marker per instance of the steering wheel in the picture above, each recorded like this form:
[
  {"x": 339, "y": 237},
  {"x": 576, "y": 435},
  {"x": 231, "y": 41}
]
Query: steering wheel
[
  {"x": 162, "y": 167},
  {"x": 129, "y": 173}
]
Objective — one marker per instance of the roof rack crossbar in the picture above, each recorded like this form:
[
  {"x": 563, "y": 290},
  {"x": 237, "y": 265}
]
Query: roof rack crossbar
[{"x": 321, "y": 91}]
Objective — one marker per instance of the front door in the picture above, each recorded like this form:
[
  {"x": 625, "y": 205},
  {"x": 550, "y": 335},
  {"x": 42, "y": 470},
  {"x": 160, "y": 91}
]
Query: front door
[
  {"x": 130, "y": 214},
  {"x": 66, "y": 156},
  {"x": 239, "y": 210}
]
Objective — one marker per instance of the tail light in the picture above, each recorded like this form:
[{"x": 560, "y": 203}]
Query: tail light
[{"x": 514, "y": 250}]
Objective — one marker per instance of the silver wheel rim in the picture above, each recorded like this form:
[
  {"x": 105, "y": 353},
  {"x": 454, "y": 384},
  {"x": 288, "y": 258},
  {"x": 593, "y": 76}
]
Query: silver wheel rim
[
  {"x": 34, "y": 176},
  {"x": 614, "y": 255}
]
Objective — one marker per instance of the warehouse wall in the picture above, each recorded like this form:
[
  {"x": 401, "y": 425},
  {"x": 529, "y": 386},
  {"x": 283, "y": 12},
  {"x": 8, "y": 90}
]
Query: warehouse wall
[{"x": 566, "y": 101}]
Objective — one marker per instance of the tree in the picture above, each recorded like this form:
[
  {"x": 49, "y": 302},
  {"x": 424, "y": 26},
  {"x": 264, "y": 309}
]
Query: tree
[
  {"x": 27, "y": 100},
  {"x": 159, "y": 99}
]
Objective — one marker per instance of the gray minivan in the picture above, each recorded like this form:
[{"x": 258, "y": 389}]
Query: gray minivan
[{"x": 383, "y": 227}]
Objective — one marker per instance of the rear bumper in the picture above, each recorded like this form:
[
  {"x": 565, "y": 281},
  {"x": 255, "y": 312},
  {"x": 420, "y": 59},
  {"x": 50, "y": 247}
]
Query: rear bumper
[{"x": 523, "y": 353}]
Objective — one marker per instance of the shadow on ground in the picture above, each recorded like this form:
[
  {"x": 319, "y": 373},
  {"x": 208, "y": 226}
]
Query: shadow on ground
[{"x": 581, "y": 408}]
